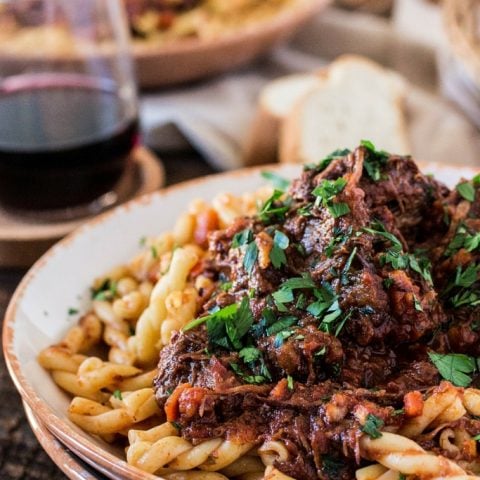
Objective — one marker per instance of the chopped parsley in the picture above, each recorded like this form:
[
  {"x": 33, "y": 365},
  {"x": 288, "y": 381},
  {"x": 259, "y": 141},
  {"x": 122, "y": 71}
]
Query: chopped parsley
[
  {"x": 466, "y": 190},
  {"x": 477, "y": 438},
  {"x": 223, "y": 313},
  {"x": 106, "y": 291},
  {"x": 306, "y": 210},
  {"x": 348, "y": 265},
  {"x": 289, "y": 382},
  {"x": 256, "y": 379},
  {"x": 332, "y": 466},
  {"x": 242, "y": 238},
  {"x": 276, "y": 180},
  {"x": 72, "y": 311},
  {"x": 396, "y": 257},
  {"x": 251, "y": 255},
  {"x": 118, "y": 395},
  {"x": 249, "y": 354},
  {"x": 326, "y": 192},
  {"x": 285, "y": 293},
  {"x": 277, "y": 254},
  {"x": 340, "y": 237},
  {"x": 154, "y": 251},
  {"x": 462, "y": 285},
  {"x": 462, "y": 239},
  {"x": 417, "y": 304},
  {"x": 372, "y": 426},
  {"x": 374, "y": 160},
  {"x": 455, "y": 367},
  {"x": 402, "y": 476},
  {"x": 274, "y": 210}
]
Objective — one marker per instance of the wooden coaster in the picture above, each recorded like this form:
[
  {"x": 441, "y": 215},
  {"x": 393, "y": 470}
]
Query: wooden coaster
[{"x": 25, "y": 236}]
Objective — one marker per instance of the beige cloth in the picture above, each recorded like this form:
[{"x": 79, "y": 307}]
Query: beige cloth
[{"x": 214, "y": 116}]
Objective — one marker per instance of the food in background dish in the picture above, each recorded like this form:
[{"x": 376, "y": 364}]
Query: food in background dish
[
  {"x": 158, "y": 21},
  {"x": 168, "y": 20},
  {"x": 303, "y": 117},
  {"x": 329, "y": 333}
]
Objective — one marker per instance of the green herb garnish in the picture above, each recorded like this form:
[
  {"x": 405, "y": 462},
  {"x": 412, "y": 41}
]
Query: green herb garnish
[
  {"x": 118, "y": 395},
  {"x": 374, "y": 160},
  {"x": 455, "y": 367},
  {"x": 277, "y": 254},
  {"x": 326, "y": 192},
  {"x": 466, "y": 190},
  {"x": 372, "y": 426},
  {"x": 274, "y": 210}
]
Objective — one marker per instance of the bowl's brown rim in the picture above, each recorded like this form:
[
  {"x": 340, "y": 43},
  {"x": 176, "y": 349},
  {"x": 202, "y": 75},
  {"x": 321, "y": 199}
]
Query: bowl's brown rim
[
  {"x": 42, "y": 410},
  {"x": 55, "y": 449}
]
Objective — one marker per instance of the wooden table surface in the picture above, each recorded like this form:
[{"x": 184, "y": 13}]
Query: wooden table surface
[{"x": 21, "y": 457}]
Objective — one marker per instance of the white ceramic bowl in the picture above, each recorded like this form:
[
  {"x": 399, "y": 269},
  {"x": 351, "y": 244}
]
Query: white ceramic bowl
[{"x": 37, "y": 315}]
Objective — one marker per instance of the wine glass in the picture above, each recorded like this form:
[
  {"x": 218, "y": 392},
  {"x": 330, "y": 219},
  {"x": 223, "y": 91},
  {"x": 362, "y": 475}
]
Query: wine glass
[{"x": 68, "y": 101}]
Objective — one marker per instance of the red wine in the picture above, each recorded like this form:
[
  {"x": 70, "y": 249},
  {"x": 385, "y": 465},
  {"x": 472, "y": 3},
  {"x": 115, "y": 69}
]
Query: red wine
[{"x": 64, "y": 141}]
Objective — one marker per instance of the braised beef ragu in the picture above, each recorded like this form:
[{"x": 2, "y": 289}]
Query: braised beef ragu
[
  {"x": 166, "y": 12},
  {"x": 327, "y": 311}
]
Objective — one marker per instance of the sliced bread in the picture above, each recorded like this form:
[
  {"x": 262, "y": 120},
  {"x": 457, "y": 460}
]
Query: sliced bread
[
  {"x": 357, "y": 99},
  {"x": 275, "y": 103}
]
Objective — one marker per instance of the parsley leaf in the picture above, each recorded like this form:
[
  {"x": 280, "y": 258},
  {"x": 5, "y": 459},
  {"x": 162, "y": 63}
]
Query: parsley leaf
[
  {"x": 236, "y": 327},
  {"x": 72, "y": 311},
  {"x": 249, "y": 354},
  {"x": 256, "y": 379},
  {"x": 463, "y": 239},
  {"x": 277, "y": 254},
  {"x": 285, "y": 293},
  {"x": 276, "y": 180},
  {"x": 372, "y": 426},
  {"x": 348, "y": 265},
  {"x": 454, "y": 367},
  {"x": 466, "y": 190},
  {"x": 251, "y": 255},
  {"x": 289, "y": 382},
  {"x": 221, "y": 314},
  {"x": 476, "y": 438},
  {"x": 338, "y": 209},
  {"x": 326, "y": 191},
  {"x": 374, "y": 160},
  {"x": 340, "y": 238},
  {"x": 272, "y": 212},
  {"x": 106, "y": 291},
  {"x": 242, "y": 238},
  {"x": 118, "y": 395}
]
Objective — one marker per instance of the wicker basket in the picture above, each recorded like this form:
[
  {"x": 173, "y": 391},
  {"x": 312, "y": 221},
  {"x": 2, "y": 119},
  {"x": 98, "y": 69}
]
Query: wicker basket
[{"x": 462, "y": 22}]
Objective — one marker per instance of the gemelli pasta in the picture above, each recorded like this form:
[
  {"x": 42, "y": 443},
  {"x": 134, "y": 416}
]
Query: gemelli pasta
[{"x": 325, "y": 331}]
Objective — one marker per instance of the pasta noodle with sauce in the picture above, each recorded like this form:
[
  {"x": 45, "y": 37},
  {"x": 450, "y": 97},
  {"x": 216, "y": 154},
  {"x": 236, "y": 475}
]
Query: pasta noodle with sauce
[{"x": 328, "y": 331}]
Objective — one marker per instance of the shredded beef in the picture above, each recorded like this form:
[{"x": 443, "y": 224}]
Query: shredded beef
[{"x": 321, "y": 374}]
